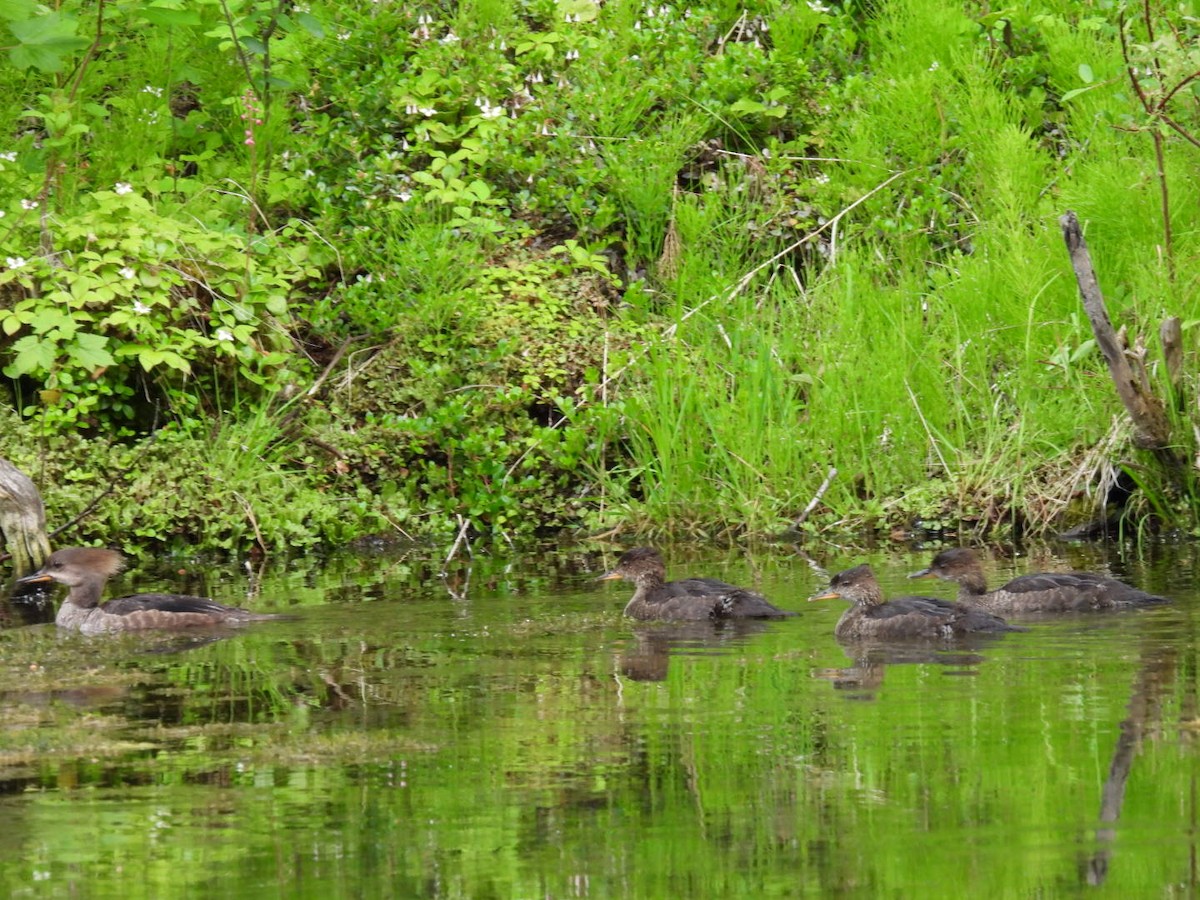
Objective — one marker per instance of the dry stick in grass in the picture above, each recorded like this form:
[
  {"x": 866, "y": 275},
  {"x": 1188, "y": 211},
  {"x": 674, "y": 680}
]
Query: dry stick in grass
[
  {"x": 812, "y": 504},
  {"x": 1151, "y": 430},
  {"x": 742, "y": 284},
  {"x": 928, "y": 430}
]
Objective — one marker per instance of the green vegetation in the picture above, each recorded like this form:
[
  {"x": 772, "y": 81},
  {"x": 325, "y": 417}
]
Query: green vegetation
[{"x": 285, "y": 278}]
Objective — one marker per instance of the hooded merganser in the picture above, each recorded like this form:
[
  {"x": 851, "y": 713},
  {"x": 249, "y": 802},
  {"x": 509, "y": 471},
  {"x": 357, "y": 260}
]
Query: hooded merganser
[
  {"x": 870, "y": 616},
  {"x": 85, "y": 570},
  {"x": 690, "y": 599},
  {"x": 1046, "y": 592}
]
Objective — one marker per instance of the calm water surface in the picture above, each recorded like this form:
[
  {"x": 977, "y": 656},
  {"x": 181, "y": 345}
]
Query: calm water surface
[{"x": 505, "y": 733}]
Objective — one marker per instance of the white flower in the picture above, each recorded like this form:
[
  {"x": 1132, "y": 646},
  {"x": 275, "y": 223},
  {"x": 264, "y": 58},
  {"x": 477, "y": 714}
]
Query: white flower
[
  {"x": 140, "y": 308},
  {"x": 29, "y": 204},
  {"x": 127, "y": 273},
  {"x": 151, "y": 89},
  {"x": 934, "y": 66},
  {"x": 10, "y": 156},
  {"x": 450, "y": 38},
  {"x": 224, "y": 334},
  {"x": 15, "y": 262},
  {"x": 490, "y": 112},
  {"x": 123, "y": 187}
]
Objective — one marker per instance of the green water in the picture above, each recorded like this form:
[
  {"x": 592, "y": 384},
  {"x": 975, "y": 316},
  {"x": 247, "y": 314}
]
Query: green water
[{"x": 505, "y": 733}]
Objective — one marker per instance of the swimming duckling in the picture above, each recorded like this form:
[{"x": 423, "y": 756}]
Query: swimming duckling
[
  {"x": 905, "y": 618},
  {"x": 1045, "y": 592},
  {"x": 690, "y": 599}
]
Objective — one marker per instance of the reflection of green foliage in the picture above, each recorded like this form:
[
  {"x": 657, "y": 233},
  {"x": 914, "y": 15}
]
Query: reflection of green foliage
[{"x": 495, "y": 746}]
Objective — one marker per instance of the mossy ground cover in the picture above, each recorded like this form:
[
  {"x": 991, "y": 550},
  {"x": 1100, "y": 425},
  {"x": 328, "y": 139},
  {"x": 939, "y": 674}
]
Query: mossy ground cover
[{"x": 283, "y": 278}]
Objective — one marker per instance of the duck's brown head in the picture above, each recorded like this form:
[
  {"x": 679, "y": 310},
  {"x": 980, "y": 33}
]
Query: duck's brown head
[
  {"x": 958, "y": 564},
  {"x": 74, "y": 566},
  {"x": 636, "y": 565},
  {"x": 858, "y": 585}
]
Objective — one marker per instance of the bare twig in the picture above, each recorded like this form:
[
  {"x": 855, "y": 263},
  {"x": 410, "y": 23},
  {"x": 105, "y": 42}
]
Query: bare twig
[
  {"x": 463, "y": 525},
  {"x": 812, "y": 504},
  {"x": 258, "y": 536}
]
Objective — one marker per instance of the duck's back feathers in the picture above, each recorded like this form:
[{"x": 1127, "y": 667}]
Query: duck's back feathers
[
  {"x": 924, "y": 618},
  {"x": 171, "y": 605},
  {"x": 1065, "y": 592},
  {"x": 688, "y": 599},
  {"x": 1044, "y": 592},
  {"x": 694, "y": 599}
]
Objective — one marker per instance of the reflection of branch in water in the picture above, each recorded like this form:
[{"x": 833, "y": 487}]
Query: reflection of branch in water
[{"x": 1145, "y": 706}]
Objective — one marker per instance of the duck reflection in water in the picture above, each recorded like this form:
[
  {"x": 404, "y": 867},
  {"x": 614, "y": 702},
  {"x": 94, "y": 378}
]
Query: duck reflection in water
[
  {"x": 872, "y": 659},
  {"x": 649, "y": 656},
  {"x": 686, "y": 600},
  {"x": 1044, "y": 592}
]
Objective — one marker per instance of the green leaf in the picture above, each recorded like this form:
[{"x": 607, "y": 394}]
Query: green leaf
[
  {"x": 16, "y": 10},
  {"x": 311, "y": 24},
  {"x": 90, "y": 351},
  {"x": 32, "y": 354},
  {"x": 43, "y": 42},
  {"x": 172, "y": 18}
]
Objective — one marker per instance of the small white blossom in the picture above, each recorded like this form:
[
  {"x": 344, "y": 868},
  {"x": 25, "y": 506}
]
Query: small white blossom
[
  {"x": 934, "y": 66},
  {"x": 224, "y": 334},
  {"x": 10, "y": 156},
  {"x": 450, "y": 38},
  {"x": 151, "y": 89},
  {"x": 123, "y": 187},
  {"x": 127, "y": 273},
  {"x": 29, "y": 204},
  {"x": 15, "y": 262},
  {"x": 140, "y": 308}
]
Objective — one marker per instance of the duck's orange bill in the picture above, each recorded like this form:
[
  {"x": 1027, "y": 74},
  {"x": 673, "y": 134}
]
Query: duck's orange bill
[
  {"x": 34, "y": 578},
  {"x": 610, "y": 576},
  {"x": 825, "y": 595}
]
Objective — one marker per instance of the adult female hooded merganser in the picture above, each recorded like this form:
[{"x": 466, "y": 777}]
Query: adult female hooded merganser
[
  {"x": 905, "y": 618},
  {"x": 690, "y": 599},
  {"x": 1046, "y": 592},
  {"x": 86, "y": 569}
]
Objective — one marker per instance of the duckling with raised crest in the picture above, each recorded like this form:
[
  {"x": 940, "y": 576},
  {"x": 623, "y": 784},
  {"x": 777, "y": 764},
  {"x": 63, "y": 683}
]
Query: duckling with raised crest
[
  {"x": 1044, "y": 592},
  {"x": 870, "y": 616},
  {"x": 689, "y": 599},
  {"x": 85, "y": 570}
]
